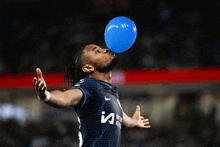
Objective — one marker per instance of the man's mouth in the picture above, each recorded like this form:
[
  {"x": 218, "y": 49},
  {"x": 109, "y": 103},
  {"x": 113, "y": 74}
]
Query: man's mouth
[{"x": 112, "y": 53}]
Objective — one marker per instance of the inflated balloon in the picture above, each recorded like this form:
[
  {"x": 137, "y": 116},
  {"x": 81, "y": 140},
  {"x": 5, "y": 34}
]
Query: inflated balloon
[{"x": 120, "y": 34}]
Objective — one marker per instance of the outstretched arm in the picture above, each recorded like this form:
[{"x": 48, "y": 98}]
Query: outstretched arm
[
  {"x": 58, "y": 99},
  {"x": 136, "y": 120}
]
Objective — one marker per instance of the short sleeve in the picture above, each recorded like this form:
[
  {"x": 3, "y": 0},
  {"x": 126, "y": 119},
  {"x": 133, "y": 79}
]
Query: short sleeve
[{"x": 89, "y": 87}]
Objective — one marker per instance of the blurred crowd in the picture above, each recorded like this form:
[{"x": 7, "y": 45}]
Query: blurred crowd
[
  {"x": 183, "y": 120},
  {"x": 38, "y": 134},
  {"x": 48, "y": 34}
]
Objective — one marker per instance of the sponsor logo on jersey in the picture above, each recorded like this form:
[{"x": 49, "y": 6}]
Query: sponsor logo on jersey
[
  {"x": 110, "y": 119},
  {"x": 107, "y": 99}
]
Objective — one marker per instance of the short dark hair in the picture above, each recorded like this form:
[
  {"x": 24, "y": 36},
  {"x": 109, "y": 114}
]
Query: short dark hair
[{"x": 73, "y": 71}]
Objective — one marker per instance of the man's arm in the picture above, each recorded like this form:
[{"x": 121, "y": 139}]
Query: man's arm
[
  {"x": 58, "y": 99},
  {"x": 136, "y": 120}
]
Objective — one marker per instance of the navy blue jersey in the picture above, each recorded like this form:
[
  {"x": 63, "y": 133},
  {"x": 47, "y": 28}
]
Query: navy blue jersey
[{"x": 100, "y": 116}]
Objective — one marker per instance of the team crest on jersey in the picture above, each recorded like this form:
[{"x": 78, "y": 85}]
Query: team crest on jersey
[
  {"x": 77, "y": 85},
  {"x": 80, "y": 81}
]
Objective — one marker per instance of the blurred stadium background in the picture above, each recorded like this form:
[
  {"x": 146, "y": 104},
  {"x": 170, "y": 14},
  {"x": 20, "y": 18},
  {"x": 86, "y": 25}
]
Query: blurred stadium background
[{"x": 172, "y": 71}]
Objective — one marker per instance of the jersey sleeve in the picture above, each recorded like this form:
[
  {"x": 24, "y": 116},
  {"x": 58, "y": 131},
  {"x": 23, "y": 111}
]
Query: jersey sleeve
[{"x": 89, "y": 87}]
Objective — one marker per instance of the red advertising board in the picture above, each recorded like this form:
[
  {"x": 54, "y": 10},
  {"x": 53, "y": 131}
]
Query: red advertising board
[{"x": 126, "y": 77}]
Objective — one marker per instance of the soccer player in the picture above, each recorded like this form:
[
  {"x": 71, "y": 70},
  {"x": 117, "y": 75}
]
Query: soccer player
[{"x": 93, "y": 97}]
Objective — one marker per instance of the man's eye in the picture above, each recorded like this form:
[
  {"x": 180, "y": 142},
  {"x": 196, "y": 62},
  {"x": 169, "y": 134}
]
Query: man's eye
[{"x": 97, "y": 51}]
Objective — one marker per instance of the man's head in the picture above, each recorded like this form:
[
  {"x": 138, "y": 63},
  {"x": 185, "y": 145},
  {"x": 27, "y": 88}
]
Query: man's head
[
  {"x": 89, "y": 60},
  {"x": 97, "y": 59}
]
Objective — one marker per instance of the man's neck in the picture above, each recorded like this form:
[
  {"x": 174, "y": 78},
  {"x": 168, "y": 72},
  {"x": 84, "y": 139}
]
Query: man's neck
[{"x": 106, "y": 77}]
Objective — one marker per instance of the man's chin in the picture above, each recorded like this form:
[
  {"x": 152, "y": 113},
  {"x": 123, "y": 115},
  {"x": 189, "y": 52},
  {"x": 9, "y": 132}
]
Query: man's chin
[{"x": 108, "y": 68}]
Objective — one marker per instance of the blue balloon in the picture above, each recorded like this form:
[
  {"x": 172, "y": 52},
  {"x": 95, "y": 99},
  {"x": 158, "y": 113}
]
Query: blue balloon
[{"x": 120, "y": 34}]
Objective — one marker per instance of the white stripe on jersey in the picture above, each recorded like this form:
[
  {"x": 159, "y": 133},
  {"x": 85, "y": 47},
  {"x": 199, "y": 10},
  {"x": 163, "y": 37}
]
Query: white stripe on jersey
[
  {"x": 119, "y": 104},
  {"x": 80, "y": 134}
]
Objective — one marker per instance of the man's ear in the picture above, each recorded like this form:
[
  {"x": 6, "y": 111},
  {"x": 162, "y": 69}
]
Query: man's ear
[{"x": 88, "y": 68}]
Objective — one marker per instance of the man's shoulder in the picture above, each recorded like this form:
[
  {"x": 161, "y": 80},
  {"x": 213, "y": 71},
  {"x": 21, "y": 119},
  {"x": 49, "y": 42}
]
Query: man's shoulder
[{"x": 90, "y": 81}]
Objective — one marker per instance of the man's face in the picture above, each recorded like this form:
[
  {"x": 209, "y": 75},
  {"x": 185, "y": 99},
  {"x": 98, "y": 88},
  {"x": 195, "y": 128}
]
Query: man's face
[{"x": 103, "y": 60}]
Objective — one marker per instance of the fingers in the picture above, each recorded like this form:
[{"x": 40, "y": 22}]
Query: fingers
[
  {"x": 42, "y": 92},
  {"x": 39, "y": 73},
  {"x": 138, "y": 108},
  {"x": 43, "y": 87},
  {"x": 143, "y": 123},
  {"x": 145, "y": 120},
  {"x": 34, "y": 81},
  {"x": 146, "y": 127},
  {"x": 39, "y": 85}
]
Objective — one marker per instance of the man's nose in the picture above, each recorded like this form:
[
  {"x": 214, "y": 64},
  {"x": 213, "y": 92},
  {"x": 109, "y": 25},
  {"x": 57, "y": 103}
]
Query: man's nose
[{"x": 106, "y": 50}]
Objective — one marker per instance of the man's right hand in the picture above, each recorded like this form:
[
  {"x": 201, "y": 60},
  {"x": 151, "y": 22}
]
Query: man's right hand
[{"x": 40, "y": 84}]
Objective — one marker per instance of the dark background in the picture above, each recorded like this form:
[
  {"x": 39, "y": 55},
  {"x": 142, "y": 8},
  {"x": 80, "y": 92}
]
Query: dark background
[
  {"x": 46, "y": 34},
  {"x": 171, "y": 34}
]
